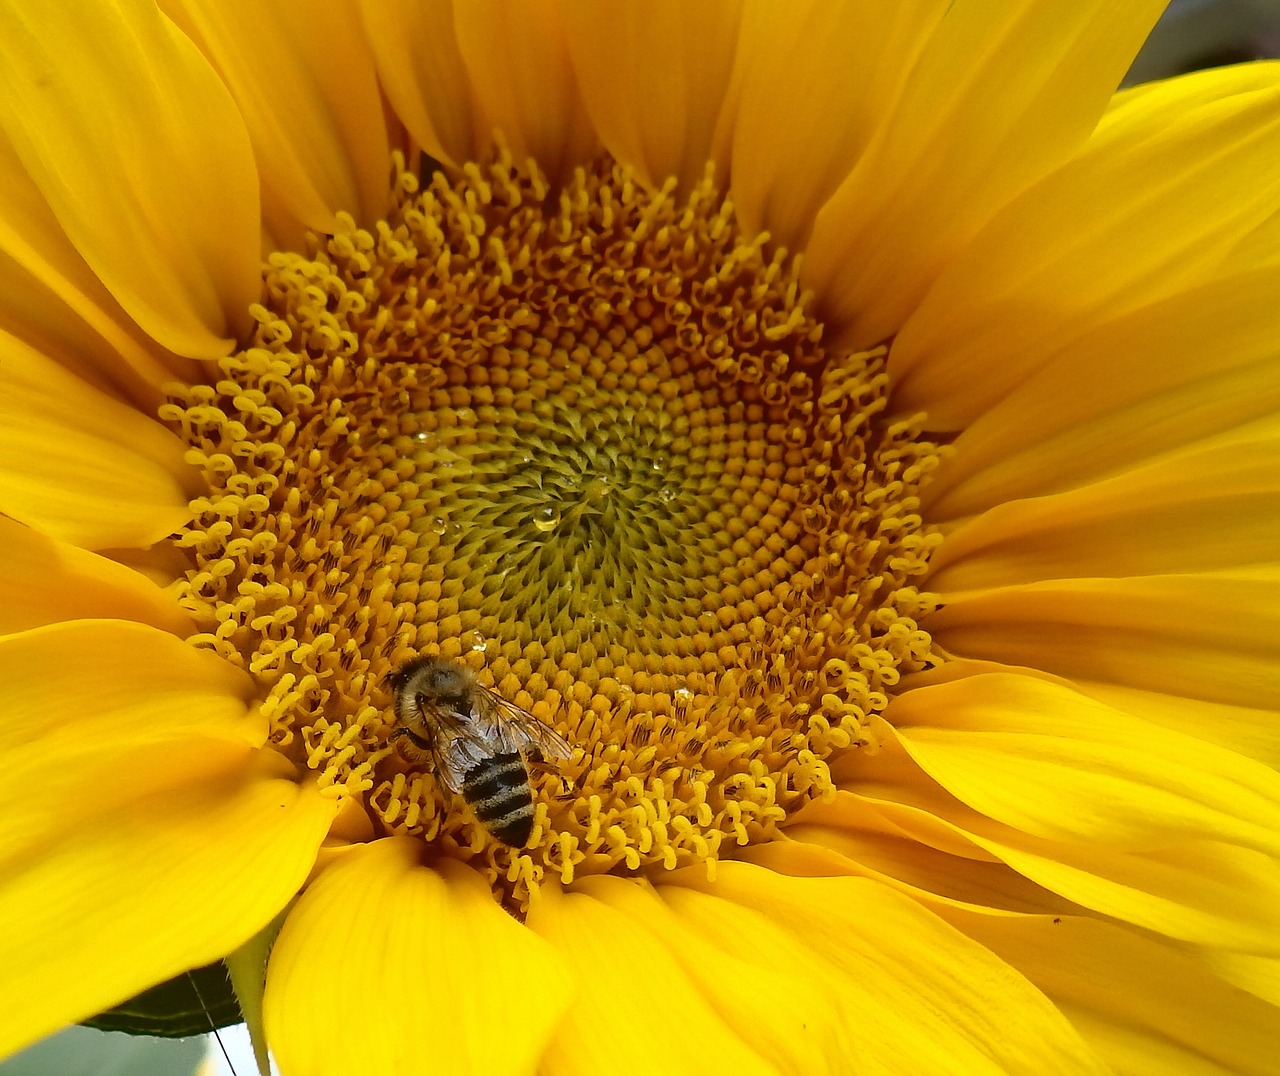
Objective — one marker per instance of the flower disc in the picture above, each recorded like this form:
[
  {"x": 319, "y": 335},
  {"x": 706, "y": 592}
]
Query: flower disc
[{"x": 588, "y": 442}]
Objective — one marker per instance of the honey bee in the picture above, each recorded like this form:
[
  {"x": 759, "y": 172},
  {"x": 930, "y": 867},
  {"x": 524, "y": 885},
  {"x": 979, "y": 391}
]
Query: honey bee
[{"x": 477, "y": 742}]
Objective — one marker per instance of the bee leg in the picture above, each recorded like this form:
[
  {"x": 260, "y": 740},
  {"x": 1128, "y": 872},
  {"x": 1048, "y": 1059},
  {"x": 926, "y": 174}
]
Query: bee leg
[{"x": 410, "y": 746}]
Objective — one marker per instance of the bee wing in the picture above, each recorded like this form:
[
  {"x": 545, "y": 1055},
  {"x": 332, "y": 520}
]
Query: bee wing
[
  {"x": 519, "y": 729},
  {"x": 458, "y": 748}
]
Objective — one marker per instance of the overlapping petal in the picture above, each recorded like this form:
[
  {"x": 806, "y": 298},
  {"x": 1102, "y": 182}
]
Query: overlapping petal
[
  {"x": 522, "y": 78},
  {"x": 141, "y": 154},
  {"x": 1147, "y": 210},
  {"x": 1131, "y": 400},
  {"x": 1203, "y": 891},
  {"x": 80, "y": 465},
  {"x": 54, "y": 302},
  {"x": 1002, "y": 94},
  {"x": 1044, "y": 760},
  {"x": 1208, "y": 636},
  {"x": 654, "y": 77},
  {"x": 1258, "y": 975},
  {"x": 1143, "y": 1006},
  {"x": 1140, "y": 1004},
  {"x": 617, "y": 937},
  {"x": 421, "y": 70},
  {"x": 458, "y": 72},
  {"x": 302, "y": 76},
  {"x": 850, "y": 835},
  {"x": 1197, "y": 509},
  {"x": 421, "y": 961},
  {"x": 846, "y": 993},
  {"x": 1249, "y": 730},
  {"x": 136, "y": 805},
  {"x": 810, "y": 67},
  {"x": 43, "y": 581}
]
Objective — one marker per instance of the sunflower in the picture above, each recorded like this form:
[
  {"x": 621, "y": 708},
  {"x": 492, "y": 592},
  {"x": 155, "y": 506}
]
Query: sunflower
[{"x": 852, "y": 427}]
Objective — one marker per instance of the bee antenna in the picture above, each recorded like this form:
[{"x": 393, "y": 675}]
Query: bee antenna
[{"x": 212, "y": 1026}]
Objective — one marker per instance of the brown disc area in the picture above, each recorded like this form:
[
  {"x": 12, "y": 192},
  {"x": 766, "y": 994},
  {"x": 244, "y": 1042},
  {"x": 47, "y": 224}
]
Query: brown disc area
[{"x": 588, "y": 442}]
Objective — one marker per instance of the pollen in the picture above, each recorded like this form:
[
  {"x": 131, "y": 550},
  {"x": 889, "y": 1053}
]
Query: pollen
[{"x": 589, "y": 442}]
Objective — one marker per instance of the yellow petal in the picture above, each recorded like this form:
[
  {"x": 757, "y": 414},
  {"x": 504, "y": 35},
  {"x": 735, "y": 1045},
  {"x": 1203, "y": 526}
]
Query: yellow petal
[
  {"x": 917, "y": 994},
  {"x": 1201, "y": 892},
  {"x": 1259, "y": 975},
  {"x": 141, "y": 833},
  {"x": 1113, "y": 985},
  {"x": 162, "y": 563},
  {"x": 818, "y": 80},
  {"x": 43, "y": 581},
  {"x": 1048, "y": 761},
  {"x": 521, "y": 74},
  {"x": 55, "y": 303},
  {"x": 1211, "y": 505},
  {"x": 1155, "y": 104},
  {"x": 1207, "y": 636},
  {"x": 139, "y": 151},
  {"x": 303, "y": 78},
  {"x": 1175, "y": 96},
  {"x": 621, "y": 959},
  {"x": 121, "y": 688},
  {"x": 1139, "y": 387},
  {"x": 1146, "y": 211},
  {"x": 422, "y": 72},
  {"x": 1209, "y": 895},
  {"x": 862, "y": 841},
  {"x": 1001, "y": 94},
  {"x": 387, "y": 966},
  {"x": 1141, "y": 1005},
  {"x": 81, "y": 466},
  {"x": 1249, "y": 731},
  {"x": 654, "y": 77}
]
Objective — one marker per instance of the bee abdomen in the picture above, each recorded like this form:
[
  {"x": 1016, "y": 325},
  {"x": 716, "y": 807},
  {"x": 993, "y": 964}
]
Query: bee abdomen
[{"x": 498, "y": 791}]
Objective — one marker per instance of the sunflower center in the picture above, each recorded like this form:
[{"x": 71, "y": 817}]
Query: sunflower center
[{"x": 588, "y": 443}]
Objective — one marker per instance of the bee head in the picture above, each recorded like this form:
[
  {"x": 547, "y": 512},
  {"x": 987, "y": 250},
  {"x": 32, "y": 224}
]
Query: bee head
[
  {"x": 434, "y": 680},
  {"x": 398, "y": 677}
]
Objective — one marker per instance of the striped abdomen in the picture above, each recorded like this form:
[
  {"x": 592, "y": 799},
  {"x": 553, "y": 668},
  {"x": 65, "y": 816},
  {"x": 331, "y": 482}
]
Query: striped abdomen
[{"x": 499, "y": 793}]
